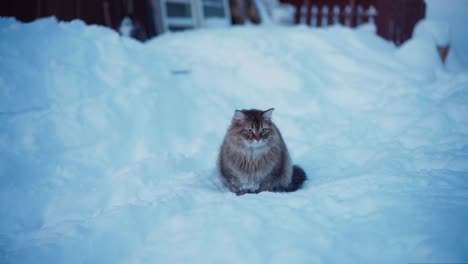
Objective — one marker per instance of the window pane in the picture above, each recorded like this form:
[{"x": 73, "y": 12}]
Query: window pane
[
  {"x": 212, "y": 11},
  {"x": 178, "y": 10},
  {"x": 213, "y": 2}
]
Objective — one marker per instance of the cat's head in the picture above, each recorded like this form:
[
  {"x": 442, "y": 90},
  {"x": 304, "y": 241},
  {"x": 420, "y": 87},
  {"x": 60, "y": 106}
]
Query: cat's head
[{"x": 253, "y": 128}]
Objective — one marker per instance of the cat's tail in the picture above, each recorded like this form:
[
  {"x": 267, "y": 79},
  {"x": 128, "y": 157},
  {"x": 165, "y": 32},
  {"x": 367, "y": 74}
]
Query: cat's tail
[{"x": 298, "y": 178}]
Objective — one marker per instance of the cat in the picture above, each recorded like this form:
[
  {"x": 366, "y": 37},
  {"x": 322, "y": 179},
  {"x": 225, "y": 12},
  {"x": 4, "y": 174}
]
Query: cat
[{"x": 254, "y": 158}]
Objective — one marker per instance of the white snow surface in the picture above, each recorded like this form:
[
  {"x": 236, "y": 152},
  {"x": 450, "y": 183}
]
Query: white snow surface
[
  {"x": 108, "y": 147},
  {"x": 452, "y": 13},
  {"x": 439, "y": 31}
]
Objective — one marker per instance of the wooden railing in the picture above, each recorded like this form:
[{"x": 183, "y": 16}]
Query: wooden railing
[
  {"x": 320, "y": 13},
  {"x": 395, "y": 19}
]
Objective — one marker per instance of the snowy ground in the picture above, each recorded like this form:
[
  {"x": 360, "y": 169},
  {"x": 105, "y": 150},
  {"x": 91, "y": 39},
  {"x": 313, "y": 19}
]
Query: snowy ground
[
  {"x": 108, "y": 147},
  {"x": 452, "y": 12}
]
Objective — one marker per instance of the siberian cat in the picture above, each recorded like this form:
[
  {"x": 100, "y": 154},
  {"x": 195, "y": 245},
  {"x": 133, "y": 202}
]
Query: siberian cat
[{"x": 254, "y": 157}]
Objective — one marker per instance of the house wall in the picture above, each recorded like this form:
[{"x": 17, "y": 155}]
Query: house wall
[{"x": 102, "y": 12}]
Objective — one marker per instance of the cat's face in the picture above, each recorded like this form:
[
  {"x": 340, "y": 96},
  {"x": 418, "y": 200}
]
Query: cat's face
[{"x": 253, "y": 128}]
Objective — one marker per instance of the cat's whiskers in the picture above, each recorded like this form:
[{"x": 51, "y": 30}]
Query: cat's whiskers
[{"x": 255, "y": 143}]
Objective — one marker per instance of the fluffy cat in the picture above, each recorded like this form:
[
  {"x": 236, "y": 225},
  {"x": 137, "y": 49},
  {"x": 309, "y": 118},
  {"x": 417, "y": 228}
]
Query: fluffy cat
[{"x": 254, "y": 157}]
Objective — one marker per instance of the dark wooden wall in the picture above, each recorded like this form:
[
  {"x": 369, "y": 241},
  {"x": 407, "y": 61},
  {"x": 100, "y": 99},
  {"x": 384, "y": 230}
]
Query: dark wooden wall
[
  {"x": 397, "y": 18},
  {"x": 102, "y": 12}
]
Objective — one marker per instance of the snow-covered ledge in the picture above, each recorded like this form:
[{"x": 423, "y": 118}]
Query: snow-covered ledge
[{"x": 438, "y": 32}]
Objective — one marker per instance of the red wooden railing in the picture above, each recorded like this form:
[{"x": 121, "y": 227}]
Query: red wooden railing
[
  {"x": 328, "y": 12},
  {"x": 395, "y": 19}
]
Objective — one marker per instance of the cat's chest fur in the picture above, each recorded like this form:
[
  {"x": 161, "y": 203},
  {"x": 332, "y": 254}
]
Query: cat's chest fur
[{"x": 253, "y": 166}]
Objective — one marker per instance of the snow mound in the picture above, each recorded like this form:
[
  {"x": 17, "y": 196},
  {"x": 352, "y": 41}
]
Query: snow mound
[
  {"x": 108, "y": 147},
  {"x": 439, "y": 31}
]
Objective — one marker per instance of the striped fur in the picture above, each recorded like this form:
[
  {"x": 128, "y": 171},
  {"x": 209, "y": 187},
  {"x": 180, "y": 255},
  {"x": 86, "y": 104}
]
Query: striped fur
[{"x": 254, "y": 157}]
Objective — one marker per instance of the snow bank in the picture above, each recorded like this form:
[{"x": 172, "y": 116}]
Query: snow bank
[
  {"x": 108, "y": 147},
  {"x": 453, "y": 13},
  {"x": 438, "y": 31}
]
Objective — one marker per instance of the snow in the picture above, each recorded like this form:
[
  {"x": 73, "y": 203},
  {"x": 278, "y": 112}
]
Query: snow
[
  {"x": 439, "y": 31},
  {"x": 126, "y": 26},
  {"x": 452, "y": 13},
  {"x": 108, "y": 146}
]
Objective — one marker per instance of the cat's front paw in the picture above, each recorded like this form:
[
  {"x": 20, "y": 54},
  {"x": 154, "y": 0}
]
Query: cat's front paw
[{"x": 239, "y": 193}]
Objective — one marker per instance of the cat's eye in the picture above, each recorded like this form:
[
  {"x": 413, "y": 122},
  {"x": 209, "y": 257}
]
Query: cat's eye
[
  {"x": 263, "y": 131},
  {"x": 249, "y": 131}
]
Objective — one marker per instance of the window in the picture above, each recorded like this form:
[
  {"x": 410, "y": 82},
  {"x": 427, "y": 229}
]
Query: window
[
  {"x": 176, "y": 9},
  {"x": 213, "y": 8}
]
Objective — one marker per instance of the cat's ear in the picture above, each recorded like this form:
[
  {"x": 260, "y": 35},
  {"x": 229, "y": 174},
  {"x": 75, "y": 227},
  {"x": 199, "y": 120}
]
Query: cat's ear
[
  {"x": 238, "y": 117},
  {"x": 267, "y": 114}
]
